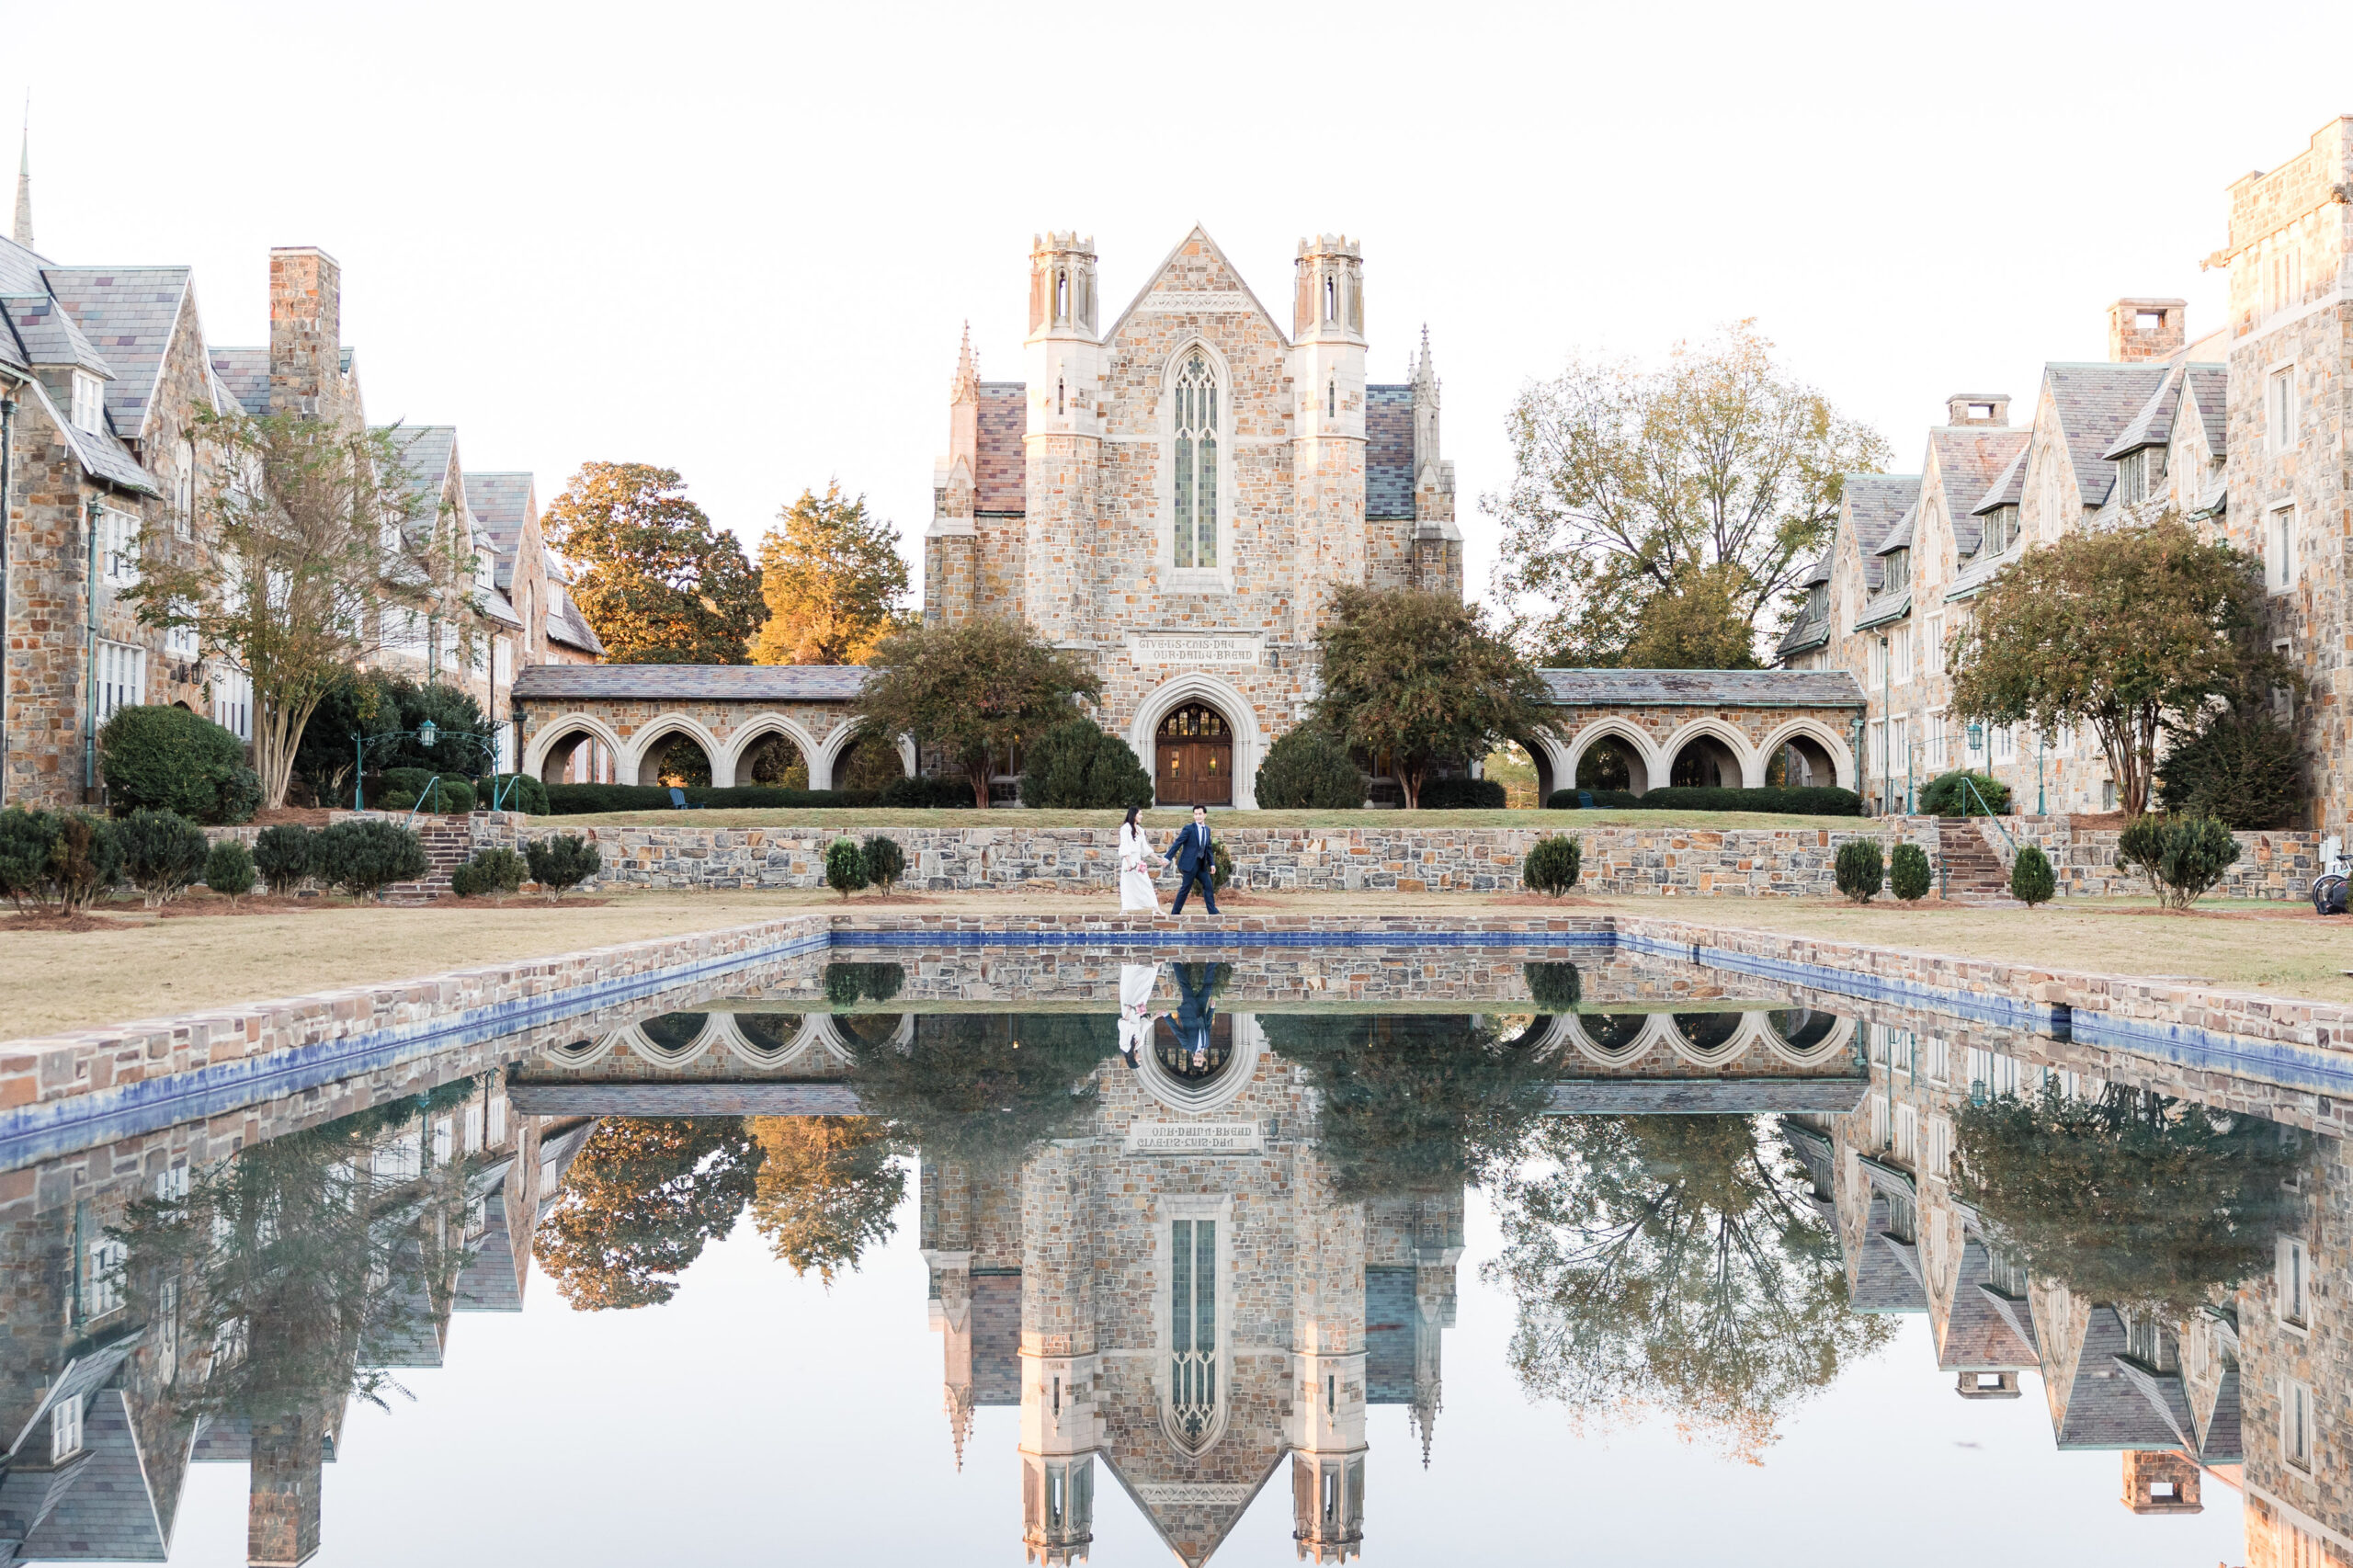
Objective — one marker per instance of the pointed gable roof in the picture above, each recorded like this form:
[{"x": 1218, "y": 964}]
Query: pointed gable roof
[
  {"x": 1979, "y": 1335},
  {"x": 502, "y": 504},
  {"x": 2208, "y": 386},
  {"x": 1874, "y": 504},
  {"x": 2094, "y": 403},
  {"x": 2008, "y": 488},
  {"x": 1193, "y": 1519},
  {"x": 128, "y": 315},
  {"x": 1200, "y": 236},
  {"x": 1970, "y": 460}
]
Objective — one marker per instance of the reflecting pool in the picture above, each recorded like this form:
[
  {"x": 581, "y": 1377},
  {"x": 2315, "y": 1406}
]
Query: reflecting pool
[{"x": 1287, "y": 1254}]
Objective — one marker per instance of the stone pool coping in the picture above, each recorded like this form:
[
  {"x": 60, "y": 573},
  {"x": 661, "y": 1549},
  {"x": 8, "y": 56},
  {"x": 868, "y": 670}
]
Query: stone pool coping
[{"x": 87, "y": 1085}]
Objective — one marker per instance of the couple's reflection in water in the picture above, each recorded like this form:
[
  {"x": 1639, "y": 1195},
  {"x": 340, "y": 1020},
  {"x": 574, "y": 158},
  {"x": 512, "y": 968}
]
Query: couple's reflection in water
[{"x": 1195, "y": 1240}]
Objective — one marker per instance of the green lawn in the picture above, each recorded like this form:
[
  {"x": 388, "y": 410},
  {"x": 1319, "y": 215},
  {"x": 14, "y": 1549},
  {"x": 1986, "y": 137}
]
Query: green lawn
[{"x": 1016, "y": 819}]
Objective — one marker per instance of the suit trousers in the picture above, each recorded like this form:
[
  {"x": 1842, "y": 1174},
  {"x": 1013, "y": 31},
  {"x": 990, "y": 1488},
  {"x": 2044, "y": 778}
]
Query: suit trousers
[{"x": 1200, "y": 874}]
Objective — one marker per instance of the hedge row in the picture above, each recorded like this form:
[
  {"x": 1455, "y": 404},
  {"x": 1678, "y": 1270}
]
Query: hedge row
[
  {"x": 1814, "y": 800},
  {"x": 1462, "y": 794},
  {"x": 579, "y": 799}
]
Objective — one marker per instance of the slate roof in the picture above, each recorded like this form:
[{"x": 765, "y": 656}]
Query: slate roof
[
  {"x": 1703, "y": 688},
  {"x": 1900, "y": 536},
  {"x": 2226, "y": 1441},
  {"x": 1882, "y": 1281},
  {"x": 1972, "y": 460},
  {"x": 1874, "y": 504},
  {"x": 1388, "y": 451},
  {"x": 107, "y": 1514},
  {"x": 2209, "y": 387},
  {"x": 426, "y": 451},
  {"x": 567, "y": 626},
  {"x": 20, "y": 269},
  {"x": 1003, "y": 482},
  {"x": 502, "y": 503},
  {"x": 689, "y": 683},
  {"x": 48, "y": 335},
  {"x": 1880, "y": 611},
  {"x": 2008, "y": 488},
  {"x": 246, "y": 372},
  {"x": 1978, "y": 1335},
  {"x": 128, "y": 315},
  {"x": 2095, "y": 403},
  {"x": 2105, "y": 1409}
]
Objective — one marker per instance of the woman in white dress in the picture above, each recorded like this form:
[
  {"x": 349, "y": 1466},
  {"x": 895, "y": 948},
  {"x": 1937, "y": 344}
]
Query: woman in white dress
[
  {"x": 1136, "y": 983},
  {"x": 1137, "y": 895}
]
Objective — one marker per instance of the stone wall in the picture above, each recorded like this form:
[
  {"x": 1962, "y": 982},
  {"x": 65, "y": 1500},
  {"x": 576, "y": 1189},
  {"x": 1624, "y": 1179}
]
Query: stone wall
[{"x": 2083, "y": 861}]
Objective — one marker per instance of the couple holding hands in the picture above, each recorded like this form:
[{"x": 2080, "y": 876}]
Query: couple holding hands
[{"x": 1190, "y": 851}]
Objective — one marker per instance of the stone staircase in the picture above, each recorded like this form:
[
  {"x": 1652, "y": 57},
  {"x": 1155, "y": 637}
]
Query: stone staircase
[
  {"x": 1972, "y": 872},
  {"x": 449, "y": 843}
]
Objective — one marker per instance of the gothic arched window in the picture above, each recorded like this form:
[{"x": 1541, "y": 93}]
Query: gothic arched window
[
  {"x": 1195, "y": 463},
  {"x": 1192, "y": 1324}
]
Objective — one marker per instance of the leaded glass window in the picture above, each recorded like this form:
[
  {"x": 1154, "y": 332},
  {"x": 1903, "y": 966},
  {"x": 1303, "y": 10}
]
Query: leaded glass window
[
  {"x": 1195, "y": 464},
  {"x": 1192, "y": 1327}
]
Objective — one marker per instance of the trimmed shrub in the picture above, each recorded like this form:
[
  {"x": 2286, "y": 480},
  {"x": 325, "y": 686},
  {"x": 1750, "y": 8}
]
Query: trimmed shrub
[
  {"x": 1907, "y": 873},
  {"x": 1859, "y": 869},
  {"x": 885, "y": 861},
  {"x": 2030, "y": 878},
  {"x": 1221, "y": 865},
  {"x": 1463, "y": 794},
  {"x": 403, "y": 787},
  {"x": 1943, "y": 796},
  {"x": 367, "y": 856},
  {"x": 1306, "y": 770},
  {"x": 167, "y": 759},
  {"x": 512, "y": 792},
  {"x": 1556, "y": 986},
  {"x": 48, "y": 860},
  {"x": 776, "y": 795},
  {"x": 846, "y": 866},
  {"x": 580, "y": 800},
  {"x": 492, "y": 873},
  {"x": 2182, "y": 857},
  {"x": 927, "y": 793},
  {"x": 162, "y": 852},
  {"x": 1077, "y": 766},
  {"x": 282, "y": 856},
  {"x": 229, "y": 869},
  {"x": 2238, "y": 765},
  {"x": 846, "y": 983},
  {"x": 1812, "y": 800},
  {"x": 1615, "y": 800},
  {"x": 1552, "y": 863},
  {"x": 562, "y": 862}
]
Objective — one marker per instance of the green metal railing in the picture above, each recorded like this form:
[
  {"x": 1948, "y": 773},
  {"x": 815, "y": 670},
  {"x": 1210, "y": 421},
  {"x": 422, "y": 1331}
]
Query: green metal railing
[{"x": 1969, "y": 793}]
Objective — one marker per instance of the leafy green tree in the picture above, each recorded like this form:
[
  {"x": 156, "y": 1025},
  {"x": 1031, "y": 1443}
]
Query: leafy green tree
[
  {"x": 2117, "y": 629},
  {"x": 1674, "y": 1265},
  {"x": 832, "y": 578},
  {"x": 1077, "y": 766},
  {"x": 1703, "y": 622},
  {"x": 2234, "y": 762},
  {"x": 154, "y": 755},
  {"x": 982, "y": 1088},
  {"x": 315, "y": 559},
  {"x": 1626, "y": 479},
  {"x": 642, "y": 1198},
  {"x": 827, "y": 1188},
  {"x": 655, "y": 579},
  {"x": 974, "y": 690},
  {"x": 1306, "y": 770},
  {"x": 360, "y": 707},
  {"x": 1420, "y": 679},
  {"x": 2131, "y": 1199}
]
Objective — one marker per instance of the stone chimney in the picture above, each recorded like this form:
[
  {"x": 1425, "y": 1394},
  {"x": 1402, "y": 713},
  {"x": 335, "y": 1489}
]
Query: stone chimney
[
  {"x": 2146, "y": 329},
  {"x": 1978, "y": 408},
  {"x": 305, "y": 331},
  {"x": 2160, "y": 1482},
  {"x": 283, "y": 1508}
]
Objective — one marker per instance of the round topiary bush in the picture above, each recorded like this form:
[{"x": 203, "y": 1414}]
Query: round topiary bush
[
  {"x": 1859, "y": 869},
  {"x": 1077, "y": 766},
  {"x": 282, "y": 856},
  {"x": 2030, "y": 878},
  {"x": 1907, "y": 873},
  {"x": 562, "y": 862},
  {"x": 365, "y": 857},
  {"x": 492, "y": 873},
  {"x": 163, "y": 853},
  {"x": 1306, "y": 770},
  {"x": 167, "y": 759},
  {"x": 846, "y": 866},
  {"x": 1944, "y": 796},
  {"x": 49, "y": 861},
  {"x": 885, "y": 861},
  {"x": 1556, "y": 987},
  {"x": 229, "y": 869},
  {"x": 1552, "y": 863}
]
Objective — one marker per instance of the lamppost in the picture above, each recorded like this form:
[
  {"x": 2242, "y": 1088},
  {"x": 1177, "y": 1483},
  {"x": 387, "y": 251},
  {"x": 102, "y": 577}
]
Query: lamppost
[
  {"x": 428, "y": 735},
  {"x": 2039, "y": 739}
]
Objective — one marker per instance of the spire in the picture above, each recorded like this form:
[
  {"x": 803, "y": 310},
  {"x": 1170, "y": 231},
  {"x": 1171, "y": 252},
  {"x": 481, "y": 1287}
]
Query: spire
[
  {"x": 24, "y": 230},
  {"x": 966, "y": 386},
  {"x": 958, "y": 1404},
  {"x": 1425, "y": 372}
]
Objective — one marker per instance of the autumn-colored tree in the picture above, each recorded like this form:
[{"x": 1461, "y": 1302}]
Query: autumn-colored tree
[
  {"x": 656, "y": 580},
  {"x": 640, "y": 1203},
  {"x": 1627, "y": 478},
  {"x": 827, "y": 1187},
  {"x": 1420, "y": 679},
  {"x": 973, "y": 690},
  {"x": 313, "y": 556},
  {"x": 832, "y": 578},
  {"x": 2117, "y": 628},
  {"x": 1702, "y": 623}
]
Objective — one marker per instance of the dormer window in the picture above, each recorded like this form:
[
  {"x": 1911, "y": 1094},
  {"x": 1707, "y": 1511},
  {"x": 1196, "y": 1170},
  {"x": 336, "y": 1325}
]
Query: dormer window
[
  {"x": 1897, "y": 572},
  {"x": 89, "y": 402},
  {"x": 2001, "y": 529}
]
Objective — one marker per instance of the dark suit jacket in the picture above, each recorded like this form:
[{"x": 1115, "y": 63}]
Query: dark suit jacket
[{"x": 1191, "y": 847}]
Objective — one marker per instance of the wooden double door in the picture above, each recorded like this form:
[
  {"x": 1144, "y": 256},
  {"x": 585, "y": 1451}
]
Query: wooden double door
[{"x": 1193, "y": 759}]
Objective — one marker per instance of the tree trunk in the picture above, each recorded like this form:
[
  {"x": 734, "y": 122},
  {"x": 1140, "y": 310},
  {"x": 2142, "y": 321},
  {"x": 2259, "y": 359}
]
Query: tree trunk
[
  {"x": 979, "y": 773},
  {"x": 1410, "y": 781}
]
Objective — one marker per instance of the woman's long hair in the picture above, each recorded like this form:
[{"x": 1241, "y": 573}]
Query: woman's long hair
[{"x": 1130, "y": 821}]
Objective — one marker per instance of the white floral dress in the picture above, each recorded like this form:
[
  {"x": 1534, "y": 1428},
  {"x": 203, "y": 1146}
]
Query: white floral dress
[{"x": 1137, "y": 895}]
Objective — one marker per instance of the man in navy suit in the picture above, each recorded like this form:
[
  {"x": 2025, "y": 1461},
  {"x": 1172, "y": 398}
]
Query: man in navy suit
[{"x": 1194, "y": 861}]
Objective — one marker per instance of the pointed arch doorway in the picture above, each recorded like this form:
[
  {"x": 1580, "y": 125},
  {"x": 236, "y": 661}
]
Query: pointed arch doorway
[{"x": 1193, "y": 757}]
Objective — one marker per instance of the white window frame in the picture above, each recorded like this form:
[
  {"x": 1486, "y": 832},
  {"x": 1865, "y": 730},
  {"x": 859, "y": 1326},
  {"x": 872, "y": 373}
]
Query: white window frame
[
  {"x": 1935, "y": 1158},
  {"x": 1935, "y": 739},
  {"x": 2279, "y": 564},
  {"x": 1900, "y": 653},
  {"x": 117, "y": 546},
  {"x": 474, "y": 1128},
  {"x": 2293, "y": 1269},
  {"x": 122, "y": 677},
  {"x": 102, "y": 1285},
  {"x": 1907, "y": 1134},
  {"x": 89, "y": 411},
  {"x": 181, "y": 643},
  {"x": 445, "y": 1136},
  {"x": 232, "y": 701},
  {"x": 65, "y": 1428},
  {"x": 2296, "y": 1423},
  {"x": 2280, "y": 408},
  {"x": 171, "y": 1184},
  {"x": 2005, "y": 743},
  {"x": 497, "y": 1120}
]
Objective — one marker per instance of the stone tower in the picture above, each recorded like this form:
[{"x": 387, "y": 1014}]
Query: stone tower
[
  {"x": 1060, "y": 1427},
  {"x": 1328, "y": 425},
  {"x": 953, "y": 540},
  {"x": 1437, "y": 544},
  {"x": 1063, "y": 357}
]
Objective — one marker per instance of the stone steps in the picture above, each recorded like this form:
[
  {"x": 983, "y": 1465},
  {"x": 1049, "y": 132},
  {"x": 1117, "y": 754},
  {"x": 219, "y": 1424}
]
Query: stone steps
[
  {"x": 447, "y": 846},
  {"x": 1972, "y": 872}
]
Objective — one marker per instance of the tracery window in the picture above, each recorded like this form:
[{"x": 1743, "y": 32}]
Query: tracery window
[
  {"x": 1195, "y": 460},
  {"x": 1192, "y": 1327}
]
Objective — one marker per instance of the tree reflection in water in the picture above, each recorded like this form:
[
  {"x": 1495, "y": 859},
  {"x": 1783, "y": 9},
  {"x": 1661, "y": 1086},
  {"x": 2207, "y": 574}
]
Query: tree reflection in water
[
  {"x": 982, "y": 1089},
  {"x": 826, "y": 1188},
  {"x": 1674, "y": 1264},
  {"x": 640, "y": 1203}
]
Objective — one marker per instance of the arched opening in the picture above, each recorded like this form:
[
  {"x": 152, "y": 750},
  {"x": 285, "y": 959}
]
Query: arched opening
[
  {"x": 1705, "y": 762},
  {"x": 678, "y": 760},
  {"x": 671, "y": 1034},
  {"x": 1801, "y": 1029},
  {"x": 1193, "y": 757},
  {"x": 773, "y": 762},
  {"x": 1613, "y": 762},
  {"x": 577, "y": 756},
  {"x": 1193, "y": 1061},
  {"x": 1613, "y": 1034},
  {"x": 869, "y": 762},
  {"x": 1523, "y": 769},
  {"x": 1801, "y": 761},
  {"x": 1708, "y": 1033},
  {"x": 770, "y": 1034}
]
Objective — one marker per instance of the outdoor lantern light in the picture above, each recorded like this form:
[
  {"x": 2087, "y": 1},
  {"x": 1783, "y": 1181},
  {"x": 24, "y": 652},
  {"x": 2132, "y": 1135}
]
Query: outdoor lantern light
[
  {"x": 1977, "y": 1091},
  {"x": 425, "y": 733},
  {"x": 1976, "y": 736}
]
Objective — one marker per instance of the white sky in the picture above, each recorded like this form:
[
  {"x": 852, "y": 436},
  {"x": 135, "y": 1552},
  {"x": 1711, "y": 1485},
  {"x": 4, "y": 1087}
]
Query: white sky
[{"x": 740, "y": 240}]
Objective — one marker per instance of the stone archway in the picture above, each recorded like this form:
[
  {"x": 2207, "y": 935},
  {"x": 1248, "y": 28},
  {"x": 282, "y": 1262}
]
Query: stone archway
[
  {"x": 1248, "y": 746},
  {"x": 1606, "y": 752},
  {"x": 1808, "y": 754},
  {"x": 654, "y": 753},
  {"x": 1192, "y": 756},
  {"x": 1707, "y": 755},
  {"x": 552, "y": 754}
]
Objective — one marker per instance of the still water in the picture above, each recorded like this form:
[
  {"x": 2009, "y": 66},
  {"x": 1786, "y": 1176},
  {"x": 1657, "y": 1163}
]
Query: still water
[{"x": 933, "y": 1256}]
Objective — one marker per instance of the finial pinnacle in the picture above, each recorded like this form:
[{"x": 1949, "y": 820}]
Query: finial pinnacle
[{"x": 23, "y": 231}]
